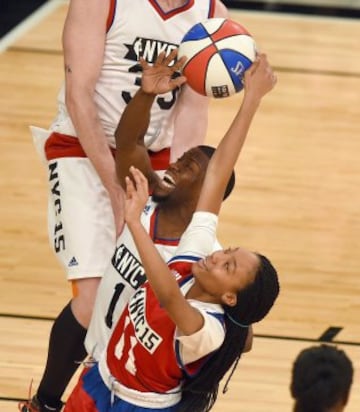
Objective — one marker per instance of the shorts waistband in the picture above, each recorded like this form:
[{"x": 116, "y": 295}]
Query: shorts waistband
[
  {"x": 143, "y": 399},
  {"x": 61, "y": 145}
]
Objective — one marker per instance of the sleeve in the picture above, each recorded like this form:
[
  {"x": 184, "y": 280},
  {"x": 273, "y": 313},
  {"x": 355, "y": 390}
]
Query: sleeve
[
  {"x": 204, "y": 341},
  {"x": 199, "y": 237}
]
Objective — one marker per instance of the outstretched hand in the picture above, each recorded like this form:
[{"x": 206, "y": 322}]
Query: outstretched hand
[
  {"x": 158, "y": 79},
  {"x": 137, "y": 193},
  {"x": 259, "y": 79}
]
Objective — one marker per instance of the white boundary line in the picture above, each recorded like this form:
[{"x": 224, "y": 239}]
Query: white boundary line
[{"x": 29, "y": 22}]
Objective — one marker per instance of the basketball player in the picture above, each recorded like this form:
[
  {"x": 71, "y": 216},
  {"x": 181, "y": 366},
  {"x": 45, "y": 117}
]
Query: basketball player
[
  {"x": 183, "y": 329},
  {"x": 103, "y": 41},
  {"x": 321, "y": 379}
]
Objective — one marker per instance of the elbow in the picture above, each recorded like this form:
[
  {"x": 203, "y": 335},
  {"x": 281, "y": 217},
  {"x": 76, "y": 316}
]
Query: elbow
[
  {"x": 168, "y": 298},
  {"x": 70, "y": 99}
]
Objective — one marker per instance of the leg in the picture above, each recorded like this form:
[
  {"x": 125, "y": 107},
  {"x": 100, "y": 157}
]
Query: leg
[{"x": 66, "y": 346}]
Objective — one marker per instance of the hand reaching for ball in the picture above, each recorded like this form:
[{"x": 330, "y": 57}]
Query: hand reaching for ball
[{"x": 159, "y": 78}]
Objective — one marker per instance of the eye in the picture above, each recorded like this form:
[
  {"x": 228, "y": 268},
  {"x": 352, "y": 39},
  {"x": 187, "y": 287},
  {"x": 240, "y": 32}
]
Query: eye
[{"x": 189, "y": 164}]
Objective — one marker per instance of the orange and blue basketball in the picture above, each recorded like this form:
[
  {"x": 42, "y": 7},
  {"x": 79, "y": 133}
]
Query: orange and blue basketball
[{"x": 218, "y": 52}]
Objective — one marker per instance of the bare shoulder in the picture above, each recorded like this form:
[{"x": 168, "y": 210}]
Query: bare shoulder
[{"x": 93, "y": 11}]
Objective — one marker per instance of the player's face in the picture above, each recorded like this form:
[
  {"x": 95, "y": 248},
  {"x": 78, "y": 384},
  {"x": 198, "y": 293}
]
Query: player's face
[
  {"x": 184, "y": 177},
  {"x": 226, "y": 271}
]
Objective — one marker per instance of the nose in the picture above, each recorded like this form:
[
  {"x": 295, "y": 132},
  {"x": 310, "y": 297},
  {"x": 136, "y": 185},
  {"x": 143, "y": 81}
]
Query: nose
[
  {"x": 173, "y": 166},
  {"x": 218, "y": 256}
]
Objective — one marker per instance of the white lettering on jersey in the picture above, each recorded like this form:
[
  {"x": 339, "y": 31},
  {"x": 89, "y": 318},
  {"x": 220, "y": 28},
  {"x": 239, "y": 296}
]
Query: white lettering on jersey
[
  {"x": 148, "y": 338},
  {"x": 149, "y": 49}
]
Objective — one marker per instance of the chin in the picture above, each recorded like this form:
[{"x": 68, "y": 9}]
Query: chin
[{"x": 159, "y": 197}]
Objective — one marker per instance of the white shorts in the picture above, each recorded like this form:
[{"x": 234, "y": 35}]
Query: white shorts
[{"x": 80, "y": 218}]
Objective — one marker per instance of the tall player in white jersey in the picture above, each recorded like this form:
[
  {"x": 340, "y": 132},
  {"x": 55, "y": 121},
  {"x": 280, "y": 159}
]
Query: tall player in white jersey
[
  {"x": 183, "y": 330},
  {"x": 103, "y": 40}
]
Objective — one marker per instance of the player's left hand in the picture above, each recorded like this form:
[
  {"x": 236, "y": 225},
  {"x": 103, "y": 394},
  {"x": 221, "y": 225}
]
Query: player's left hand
[
  {"x": 159, "y": 78},
  {"x": 259, "y": 79},
  {"x": 137, "y": 193}
]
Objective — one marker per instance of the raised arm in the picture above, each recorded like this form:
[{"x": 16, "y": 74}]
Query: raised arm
[
  {"x": 259, "y": 80},
  {"x": 83, "y": 43},
  {"x": 134, "y": 122},
  {"x": 188, "y": 319}
]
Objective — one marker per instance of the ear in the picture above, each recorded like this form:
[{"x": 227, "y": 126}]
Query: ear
[{"x": 229, "y": 298}]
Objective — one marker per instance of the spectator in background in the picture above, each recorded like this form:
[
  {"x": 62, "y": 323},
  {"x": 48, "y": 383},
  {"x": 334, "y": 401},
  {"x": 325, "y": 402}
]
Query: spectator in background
[{"x": 321, "y": 379}]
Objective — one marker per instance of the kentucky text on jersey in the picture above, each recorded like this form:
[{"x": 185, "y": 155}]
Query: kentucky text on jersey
[
  {"x": 128, "y": 267},
  {"x": 149, "y": 339}
]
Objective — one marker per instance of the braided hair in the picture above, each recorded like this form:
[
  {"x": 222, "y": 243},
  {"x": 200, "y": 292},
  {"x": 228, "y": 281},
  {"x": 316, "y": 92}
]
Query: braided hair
[
  {"x": 253, "y": 303},
  {"x": 321, "y": 378}
]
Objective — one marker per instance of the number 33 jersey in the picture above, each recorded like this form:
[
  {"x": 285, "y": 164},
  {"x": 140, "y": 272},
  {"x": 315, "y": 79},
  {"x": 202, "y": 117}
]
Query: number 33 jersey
[
  {"x": 137, "y": 28},
  {"x": 124, "y": 275}
]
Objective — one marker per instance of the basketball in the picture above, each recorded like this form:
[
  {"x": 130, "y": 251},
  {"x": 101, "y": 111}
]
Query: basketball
[{"x": 218, "y": 52}]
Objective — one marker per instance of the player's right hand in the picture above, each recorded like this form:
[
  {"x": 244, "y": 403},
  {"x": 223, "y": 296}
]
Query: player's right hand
[{"x": 159, "y": 78}]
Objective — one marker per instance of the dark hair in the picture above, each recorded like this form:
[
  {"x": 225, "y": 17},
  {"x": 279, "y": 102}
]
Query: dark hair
[
  {"x": 209, "y": 151},
  {"x": 253, "y": 303},
  {"x": 321, "y": 378}
]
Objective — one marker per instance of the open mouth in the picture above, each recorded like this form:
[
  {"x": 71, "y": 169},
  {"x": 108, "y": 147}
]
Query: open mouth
[{"x": 168, "y": 181}]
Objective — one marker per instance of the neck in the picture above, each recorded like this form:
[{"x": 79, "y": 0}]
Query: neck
[
  {"x": 196, "y": 292},
  {"x": 172, "y": 221}
]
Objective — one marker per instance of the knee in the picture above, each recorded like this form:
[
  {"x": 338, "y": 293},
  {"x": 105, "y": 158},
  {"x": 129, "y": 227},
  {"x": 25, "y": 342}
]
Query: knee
[{"x": 83, "y": 302}]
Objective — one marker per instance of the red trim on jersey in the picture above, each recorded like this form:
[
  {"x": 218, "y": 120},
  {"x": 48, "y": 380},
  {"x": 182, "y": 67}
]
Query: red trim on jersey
[
  {"x": 153, "y": 224},
  {"x": 169, "y": 14},
  {"x": 160, "y": 160},
  {"x": 111, "y": 15},
  {"x": 212, "y": 8},
  {"x": 61, "y": 145},
  {"x": 153, "y": 229}
]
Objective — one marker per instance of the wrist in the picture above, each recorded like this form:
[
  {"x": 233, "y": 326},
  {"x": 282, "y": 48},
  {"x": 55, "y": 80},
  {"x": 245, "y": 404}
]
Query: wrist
[
  {"x": 134, "y": 223},
  {"x": 146, "y": 94},
  {"x": 251, "y": 100}
]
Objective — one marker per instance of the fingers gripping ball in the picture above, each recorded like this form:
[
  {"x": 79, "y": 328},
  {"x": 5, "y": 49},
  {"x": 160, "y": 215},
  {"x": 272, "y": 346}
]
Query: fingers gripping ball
[{"x": 218, "y": 53}]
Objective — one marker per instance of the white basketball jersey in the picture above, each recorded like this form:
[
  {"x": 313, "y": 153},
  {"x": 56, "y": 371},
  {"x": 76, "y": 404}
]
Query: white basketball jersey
[
  {"x": 122, "y": 278},
  {"x": 139, "y": 28}
]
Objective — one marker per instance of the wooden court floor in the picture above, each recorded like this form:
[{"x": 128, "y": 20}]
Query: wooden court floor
[{"x": 297, "y": 200}]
